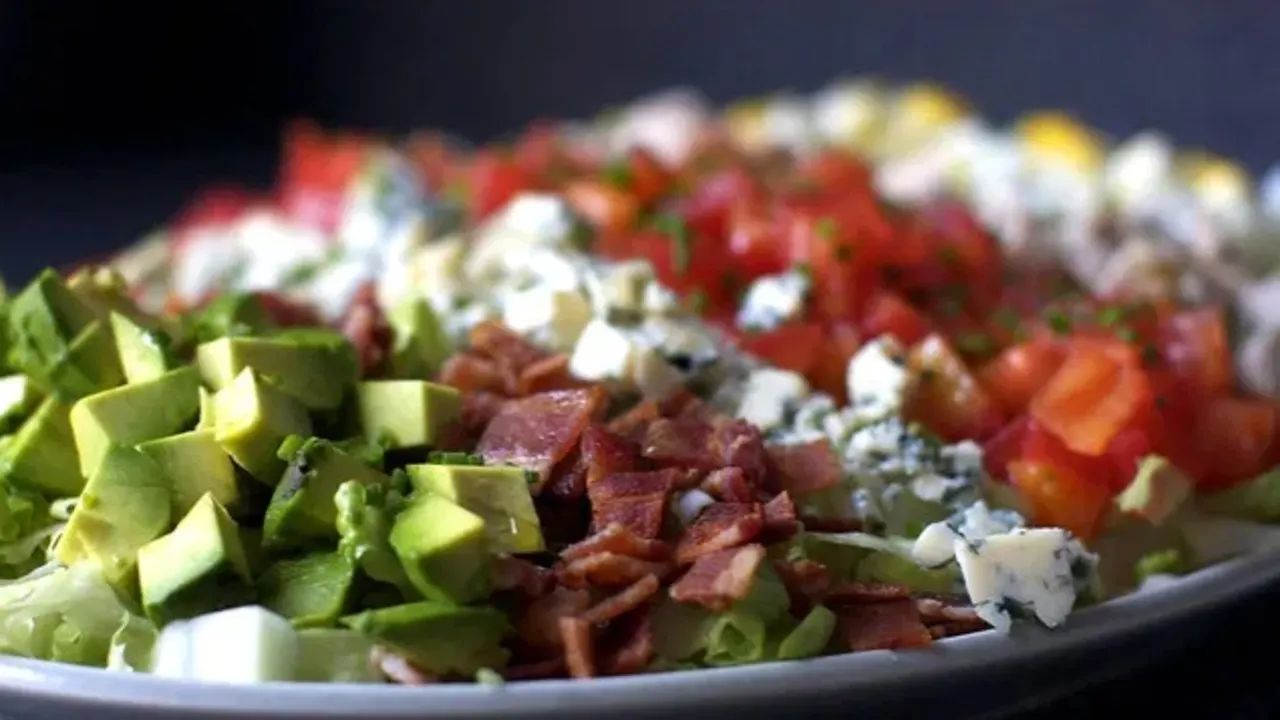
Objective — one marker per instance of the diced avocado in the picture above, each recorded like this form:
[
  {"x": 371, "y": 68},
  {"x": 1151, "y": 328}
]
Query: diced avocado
[
  {"x": 302, "y": 507},
  {"x": 335, "y": 655},
  {"x": 58, "y": 342},
  {"x": 197, "y": 465},
  {"x": 18, "y": 396},
  {"x": 440, "y": 638},
  {"x": 311, "y": 590},
  {"x": 231, "y": 316},
  {"x": 420, "y": 345},
  {"x": 41, "y": 456},
  {"x": 198, "y": 568},
  {"x": 443, "y": 549},
  {"x": 1157, "y": 491},
  {"x": 315, "y": 374},
  {"x": 131, "y": 414},
  {"x": 406, "y": 413},
  {"x": 206, "y": 420},
  {"x": 125, "y": 505},
  {"x": 144, "y": 353},
  {"x": 500, "y": 495},
  {"x": 252, "y": 419}
]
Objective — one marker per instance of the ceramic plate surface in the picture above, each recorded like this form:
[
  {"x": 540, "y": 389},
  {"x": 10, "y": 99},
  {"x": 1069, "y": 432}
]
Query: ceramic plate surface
[{"x": 960, "y": 671}]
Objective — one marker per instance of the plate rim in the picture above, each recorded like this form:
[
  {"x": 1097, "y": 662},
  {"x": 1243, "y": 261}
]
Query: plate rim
[{"x": 980, "y": 653}]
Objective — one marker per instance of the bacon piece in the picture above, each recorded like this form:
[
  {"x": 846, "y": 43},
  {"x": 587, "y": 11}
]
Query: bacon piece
[
  {"x": 719, "y": 527},
  {"x": 291, "y": 313},
  {"x": 729, "y": 485},
  {"x": 399, "y": 669},
  {"x": 888, "y": 625},
  {"x": 547, "y": 374},
  {"x": 684, "y": 404},
  {"x": 806, "y": 582},
  {"x": 510, "y": 573},
  {"x": 780, "y": 522},
  {"x": 579, "y": 653},
  {"x": 538, "y": 625},
  {"x": 739, "y": 444},
  {"x": 496, "y": 341},
  {"x": 367, "y": 329},
  {"x": 563, "y": 521},
  {"x": 720, "y": 579},
  {"x": 938, "y": 610},
  {"x": 538, "y": 431},
  {"x": 632, "y": 647},
  {"x": 606, "y": 453},
  {"x": 619, "y": 539},
  {"x": 541, "y": 670},
  {"x": 679, "y": 443},
  {"x": 805, "y": 468},
  {"x": 953, "y": 628},
  {"x": 615, "y": 606},
  {"x": 856, "y": 592},
  {"x": 472, "y": 373},
  {"x": 637, "y": 500},
  {"x": 608, "y": 569},
  {"x": 568, "y": 478},
  {"x": 634, "y": 423}
]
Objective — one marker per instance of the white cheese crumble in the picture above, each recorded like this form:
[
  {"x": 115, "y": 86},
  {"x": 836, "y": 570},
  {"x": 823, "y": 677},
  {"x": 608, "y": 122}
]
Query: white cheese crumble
[
  {"x": 769, "y": 394},
  {"x": 554, "y": 318},
  {"x": 877, "y": 377},
  {"x": 773, "y": 300},
  {"x": 603, "y": 352},
  {"x": 1022, "y": 572}
]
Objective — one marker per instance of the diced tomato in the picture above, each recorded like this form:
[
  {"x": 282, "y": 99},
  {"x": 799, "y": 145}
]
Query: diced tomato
[
  {"x": 1005, "y": 446},
  {"x": 833, "y": 171},
  {"x": 888, "y": 313},
  {"x": 1014, "y": 376},
  {"x": 1058, "y": 497},
  {"x": 829, "y": 372},
  {"x": 647, "y": 179},
  {"x": 1096, "y": 393},
  {"x": 681, "y": 260},
  {"x": 1042, "y": 446},
  {"x": 946, "y": 398},
  {"x": 1194, "y": 345},
  {"x": 434, "y": 157},
  {"x": 316, "y": 170},
  {"x": 493, "y": 180},
  {"x": 611, "y": 210},
  {"x": 216, "y": 205},
  {"x": 540, "y": 153},
  {"x": 753, "y": 241},
  {"x": 842, "y": 260},
  {"x": 793, "y": 346},
  {"x": 709, "y": 207},
  {"x": 1234, "y": 436}
]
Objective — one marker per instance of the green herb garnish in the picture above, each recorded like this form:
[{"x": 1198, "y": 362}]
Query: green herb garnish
[
  {"x": 618, "y": 174},
  {"x": 675, "y": 228},
  {"x": 1058, "y": 321}
]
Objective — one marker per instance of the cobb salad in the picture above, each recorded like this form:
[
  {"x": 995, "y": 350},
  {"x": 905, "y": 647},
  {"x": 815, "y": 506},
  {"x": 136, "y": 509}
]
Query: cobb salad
[{"x": 669, "y": 390}]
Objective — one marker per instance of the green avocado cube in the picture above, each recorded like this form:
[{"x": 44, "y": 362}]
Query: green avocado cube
[
  {"x": 125, "y": 505},
  {"x": 198, "y": 568},
  {"x": 315, "y": 374},
  {"x": 144, "y": 352},
  {"x": 206, "y": 420},
  {"x": 407, "y": 413},
  {"x": 443, "y": 549},
  {"x": 59, "y": 342},
  {"x": 336, "y": 655},
  {"x": 302, "y": 509},
  {"x": 197, "y": 465},
  {"x": 438, "y": 637},
  {"x": 251, "y": 419},
  {"x": 130, "y": 414},
  {"x": 311, "y": 590},
  {"x": 41, "y": 456},
  {"x": 420, "y": 344},
  {"x": 498, "y": 494}
]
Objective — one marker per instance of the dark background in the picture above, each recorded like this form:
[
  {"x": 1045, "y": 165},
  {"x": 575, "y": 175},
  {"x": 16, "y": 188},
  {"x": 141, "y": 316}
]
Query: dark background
[{"x": 111, "y": 113}]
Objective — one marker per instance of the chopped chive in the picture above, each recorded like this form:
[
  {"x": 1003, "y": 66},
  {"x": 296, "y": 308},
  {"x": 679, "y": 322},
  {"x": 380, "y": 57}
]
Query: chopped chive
[
  {"x": 1058, "y": 321},
  {"x": 732, "y": 284},
  {"x": 825, "y": 228},
  {"x": 1007, "y": 318},
  {"x": 844, "y": 254},
  {"x": 1110, "y": 315},
  {"x": 805, "y": 270},
  {"x": 675, "y": 228},
  {"x": 1161, "y": 401},
  {"x": 975, "y": 343},
  {"x": 1150, "y": 355},
  {"x": 618, "y": 174},
  {"x": 1127, "y": 334},
  {"x": 698, "y": 302},
  {"x": 950, "y": 257}
]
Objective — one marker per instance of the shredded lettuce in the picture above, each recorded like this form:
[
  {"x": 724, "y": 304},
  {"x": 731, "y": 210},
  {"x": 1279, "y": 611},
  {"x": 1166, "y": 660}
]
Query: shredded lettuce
[
  {"x": 1257, "y": 499},
  {"x": 65, "y": 614},
  {"x": 860, "y": 556},
  {"x": 28, "y": 526},
  {"x": 335, "y": 655},
  {"x": 131, "y": 645},
  {"x": 365, "y": 516},
  {"x": 1165, "y": 562},
  {"x": 810, "y": 637}
]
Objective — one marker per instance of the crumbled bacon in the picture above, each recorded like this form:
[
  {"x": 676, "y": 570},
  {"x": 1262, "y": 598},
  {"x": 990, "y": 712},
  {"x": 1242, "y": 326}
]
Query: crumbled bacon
[
  {"x": 720, "y": 579},
  {"x": 634, "y": 423},
  {"x": 538, "y": 431},
  {"x": 472, "y": 373},
  {"x": 940, "y": 610},
  {"x": 623, "y": 602},
  {"x": 806, "y": 582},
  {"x": 679, "y": 443},
  {"x": 780, "y": 522},
  {"x": 494, "y": 340},
  {"x": 511, "y": 573},
  {"x": 952, "y": 628},
  {"x": 545, "y": 375},
  {"x": 537, "y": 625},
  {"x": 739, "y": 444},
  {"x": 563, "y": 521},
  {"x": 617, "y": 538},
  {"x": 890, "y": 625},
  {"x": 605, "y": 453},
  {"x": 632, "y": 647},
  {"x": 606, "y": 569},
  {"x": 367, "y": 329},
  {"x": 729, "y": 484},
  {"x": 637, "y": 500},
  {"x": 579, "y": 653},
  {"x": 568, "y": 477},
  {"x": 856, "y": 592},
  {"x": 719, "y": 527},
  {"x": 805, "y": 468}
]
